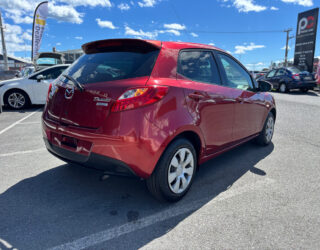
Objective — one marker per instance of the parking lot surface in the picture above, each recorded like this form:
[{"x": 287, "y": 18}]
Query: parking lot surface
[{"x": 250, "y": 197}]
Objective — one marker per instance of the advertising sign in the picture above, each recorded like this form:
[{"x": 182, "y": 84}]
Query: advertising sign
[
  {"x": 306, "y": 39},
  {"x": 39, "y": 22}
]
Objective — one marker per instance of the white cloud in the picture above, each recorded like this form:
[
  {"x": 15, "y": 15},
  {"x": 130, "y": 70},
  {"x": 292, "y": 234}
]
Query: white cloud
[
  {"x": 21, "y": 11},
  {"x": 65, "y": 13},
  {"x": 18, "y": 17},
  {"x": 175, "y": 26},
  {"x": 245, "y": 5},
  {"x": 306, "y": 3},
  {"x": 194, "y": 34},
  {"x": 212, "y": 44},
  {"x": 105, "y": 24},
  {"x": 174, "y": 32},
  {"x": 241, "y": 49},
  {"x": 274, "y": 8},
  {"x": 140, "y": 33},
  {"x": 91, "y": 3},
  {"x": 124, "y": 6},
  {"x": 16, "y": 41},
  {"x": 26, "y": 36},
  {"x": 248, "y": 5},
  {"x": 147, "y": 3},
  {"x": 58, "y": 44},
  {"x": 284, "y": 47},
  {"x": 78, "y": 37}
]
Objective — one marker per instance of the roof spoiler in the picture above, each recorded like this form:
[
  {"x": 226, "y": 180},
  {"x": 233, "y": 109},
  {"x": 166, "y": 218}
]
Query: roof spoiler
[{"x": 108, "y": 44}]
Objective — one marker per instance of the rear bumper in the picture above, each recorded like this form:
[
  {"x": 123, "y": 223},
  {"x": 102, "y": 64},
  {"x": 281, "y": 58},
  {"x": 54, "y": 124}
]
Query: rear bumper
[
  {"x": 133, "y": 151},
  {"x": 302, "y": 85},
  {"x": 96, "y": 161}
]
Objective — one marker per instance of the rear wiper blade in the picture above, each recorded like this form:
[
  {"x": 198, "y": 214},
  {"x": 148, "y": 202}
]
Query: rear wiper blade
[{"x": 75, "y": 82}]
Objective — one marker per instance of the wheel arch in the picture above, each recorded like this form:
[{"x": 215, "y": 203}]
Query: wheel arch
[{"x": 15, "y": 89}]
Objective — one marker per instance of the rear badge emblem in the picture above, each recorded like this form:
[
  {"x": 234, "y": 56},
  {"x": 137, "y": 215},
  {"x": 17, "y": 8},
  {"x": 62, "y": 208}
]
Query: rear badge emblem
[{"x": 69, "y": 92}]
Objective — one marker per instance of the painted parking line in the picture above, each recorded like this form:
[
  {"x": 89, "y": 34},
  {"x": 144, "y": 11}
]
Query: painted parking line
[
  {"x": 26, "y": 123},
  {"x": 23, "y": 152},
  {"x": 17, "y": 122},
  {"x": 176, "y": 210}
]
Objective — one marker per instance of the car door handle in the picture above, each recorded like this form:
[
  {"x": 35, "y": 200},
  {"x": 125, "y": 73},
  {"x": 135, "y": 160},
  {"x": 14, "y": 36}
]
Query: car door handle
[
  {"x": 195, "y": 96},
  {"x": 242, "y": 100}
]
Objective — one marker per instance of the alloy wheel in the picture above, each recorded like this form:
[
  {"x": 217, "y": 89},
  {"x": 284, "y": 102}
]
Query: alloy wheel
[
  {"x": 16, "y": 100},
  {"x": 180, "y": 170},
  {"x": 269, "y": 128},
  {"x": 282, "y": 88}
]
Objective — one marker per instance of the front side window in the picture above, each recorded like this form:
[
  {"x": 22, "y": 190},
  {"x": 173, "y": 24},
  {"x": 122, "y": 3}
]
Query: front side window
[
  {"x": 50, "y": 73},
  {"x": 236, "y": 76},
  {"x": 198, "y": 66}
]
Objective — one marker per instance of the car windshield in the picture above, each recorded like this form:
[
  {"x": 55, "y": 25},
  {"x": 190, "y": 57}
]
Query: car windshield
[
  {"x": 112, "y": 65},
  {"x": 294, "y": 70}
]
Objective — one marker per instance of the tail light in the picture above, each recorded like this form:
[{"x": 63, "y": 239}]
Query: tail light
[
  {"x": 138, "y": 97},
  {"x": 49, "y": 90},
  {"x": 296, "y": 76}
]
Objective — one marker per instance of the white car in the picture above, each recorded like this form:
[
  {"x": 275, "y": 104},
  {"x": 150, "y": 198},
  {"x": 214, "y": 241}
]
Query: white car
[{"x": 20, "y": 92}]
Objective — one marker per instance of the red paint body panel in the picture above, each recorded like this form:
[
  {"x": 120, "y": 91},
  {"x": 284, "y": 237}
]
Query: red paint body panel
[{"x": 221, "y": 117}]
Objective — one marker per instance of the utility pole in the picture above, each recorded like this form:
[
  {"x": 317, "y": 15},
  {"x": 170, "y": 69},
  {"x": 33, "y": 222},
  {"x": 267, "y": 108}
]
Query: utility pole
[
  {"x": 4, "y": 49},
  {"x": 287, "y": 44}
]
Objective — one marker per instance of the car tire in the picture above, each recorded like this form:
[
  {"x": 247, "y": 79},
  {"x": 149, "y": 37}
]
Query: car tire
[
  {"x": 283, "y": 88},
  {"x": 173, "y": 175},
  {"x": 266, "y": 134},
  {"x": 304, "y": 90},
  {"x": 16, "y": 99}
]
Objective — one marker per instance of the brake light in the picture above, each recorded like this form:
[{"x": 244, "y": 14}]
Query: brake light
[
  {"x": 296, "y": 76},
  {"x": 49, "y": 90},
  {"x": 138, "y": 97}
]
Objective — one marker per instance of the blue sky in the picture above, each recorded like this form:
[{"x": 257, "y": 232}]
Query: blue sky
[{"x": 74, "y": 22}]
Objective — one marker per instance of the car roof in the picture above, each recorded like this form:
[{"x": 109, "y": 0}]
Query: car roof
[
  {"x": 55, "y": 66},
  {"x": 143, "y": 42}
]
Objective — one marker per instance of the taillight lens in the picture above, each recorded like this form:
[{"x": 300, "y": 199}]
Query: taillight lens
[
  {"x": 138, "y": 97},
  {"x": 296, "y": 76},
  {"x": 49, "y": 90}
]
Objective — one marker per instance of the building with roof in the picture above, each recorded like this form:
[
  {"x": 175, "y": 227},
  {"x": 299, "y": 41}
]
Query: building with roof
[{"x": 14, "y": 63}]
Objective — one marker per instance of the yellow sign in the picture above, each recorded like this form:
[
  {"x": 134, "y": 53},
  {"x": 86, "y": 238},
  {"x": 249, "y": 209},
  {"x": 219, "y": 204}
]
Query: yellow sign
[{"x": 40, "y": 21}]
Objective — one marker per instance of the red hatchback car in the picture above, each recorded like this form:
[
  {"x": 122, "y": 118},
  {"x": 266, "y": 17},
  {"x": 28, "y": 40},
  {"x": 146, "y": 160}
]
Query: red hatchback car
[{"x": 156, "y": 110}]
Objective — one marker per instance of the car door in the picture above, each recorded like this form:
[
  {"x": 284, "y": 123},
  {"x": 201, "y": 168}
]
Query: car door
[
  {"x": 278, "y": 77},
  {"x": 270, "y": 78},
  {"x": 209, "y": 103},
  {"x": 40, "y": 87},
  {"x": 249, "y": 108}
]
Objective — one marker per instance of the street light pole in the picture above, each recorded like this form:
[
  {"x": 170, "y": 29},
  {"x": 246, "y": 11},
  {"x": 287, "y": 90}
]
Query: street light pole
[
  {"x": 287, "y": 44},
  {"x": 4, "y": 49}
]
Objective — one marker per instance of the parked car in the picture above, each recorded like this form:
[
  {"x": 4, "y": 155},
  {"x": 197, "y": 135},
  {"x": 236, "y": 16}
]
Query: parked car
[
  {"x": 285, "y": 79},
  {"x": 155, "y": 110},
  {"x": 48, "y": 59},
  {"x": 26, "y": 71},
  {"x": 18, "y": 93},
  {"x": 261, "y": 74}
]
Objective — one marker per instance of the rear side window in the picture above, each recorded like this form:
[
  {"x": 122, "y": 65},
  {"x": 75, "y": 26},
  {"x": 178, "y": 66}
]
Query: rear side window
[
  {"x": 198, "y": 66},
  {"x": 271, "y": 73},
  {"x": 281, "y": 72},
  {"x": 112, "y": 65}
]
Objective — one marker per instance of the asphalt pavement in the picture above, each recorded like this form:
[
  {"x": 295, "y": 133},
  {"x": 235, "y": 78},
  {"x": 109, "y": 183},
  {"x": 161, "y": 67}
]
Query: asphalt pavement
[{"x": 250, "y": 197}]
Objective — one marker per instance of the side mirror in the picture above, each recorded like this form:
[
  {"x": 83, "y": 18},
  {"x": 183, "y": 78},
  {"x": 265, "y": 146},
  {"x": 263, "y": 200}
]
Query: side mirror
[
  {"x": 264, "y": 86},
  {"x": 39, "y": 78}
]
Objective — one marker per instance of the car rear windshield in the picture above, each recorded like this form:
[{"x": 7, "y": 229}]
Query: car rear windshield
[
  {"x": 112, "y": 65},
  {"x": 294, "y": 70}
]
